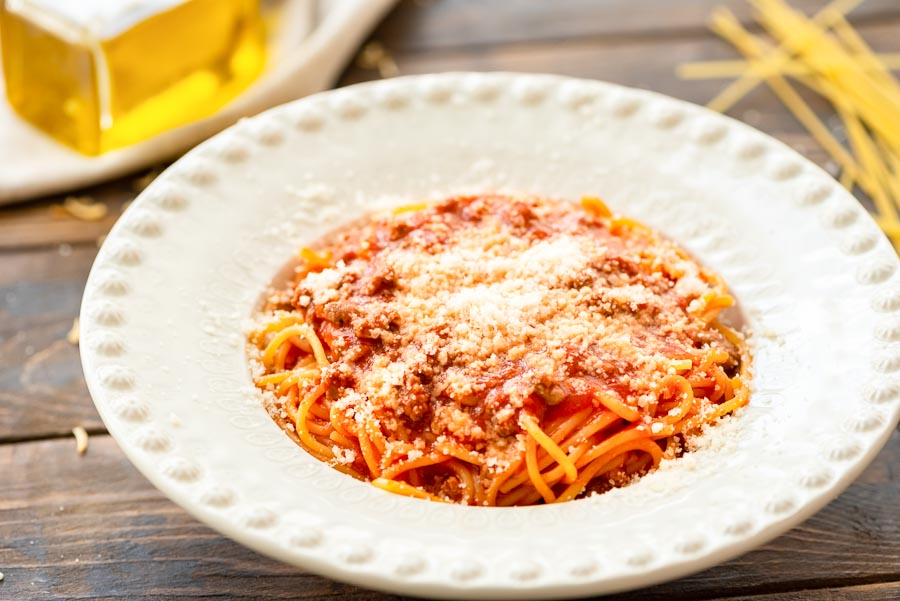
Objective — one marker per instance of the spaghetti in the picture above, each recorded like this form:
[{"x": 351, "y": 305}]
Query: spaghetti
[
  {"x": 827, "y": 56},
  {"x": 497, "y": 350}
]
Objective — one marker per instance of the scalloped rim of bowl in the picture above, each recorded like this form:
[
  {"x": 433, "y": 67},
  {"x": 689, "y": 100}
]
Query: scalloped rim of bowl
[{"x": 191, "y": 255}]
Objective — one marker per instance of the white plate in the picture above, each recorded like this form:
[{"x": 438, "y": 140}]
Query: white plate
[{"x": 162, "y": 342}]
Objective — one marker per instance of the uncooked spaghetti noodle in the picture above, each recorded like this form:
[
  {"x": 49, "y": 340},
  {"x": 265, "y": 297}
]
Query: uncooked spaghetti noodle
[{"x": 496, "y": 350}]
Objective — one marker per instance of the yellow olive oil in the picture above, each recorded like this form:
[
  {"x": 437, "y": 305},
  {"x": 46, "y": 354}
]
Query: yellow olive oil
[{"x": 102, "y": 74}]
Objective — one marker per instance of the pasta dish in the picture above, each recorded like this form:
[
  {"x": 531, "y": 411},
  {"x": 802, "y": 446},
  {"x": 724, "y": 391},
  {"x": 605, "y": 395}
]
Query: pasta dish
[{"x": 497, "y": 350}]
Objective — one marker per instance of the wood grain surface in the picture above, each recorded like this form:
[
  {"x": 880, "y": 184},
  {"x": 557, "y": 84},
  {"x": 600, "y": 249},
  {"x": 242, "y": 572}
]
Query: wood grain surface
[
  {"x": 92, "y": 527},
  {"x": 426, "y": 26}
]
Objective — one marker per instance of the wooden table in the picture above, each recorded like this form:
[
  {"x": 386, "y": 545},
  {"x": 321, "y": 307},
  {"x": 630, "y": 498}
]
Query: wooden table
[{"x": 91, "y": 527}]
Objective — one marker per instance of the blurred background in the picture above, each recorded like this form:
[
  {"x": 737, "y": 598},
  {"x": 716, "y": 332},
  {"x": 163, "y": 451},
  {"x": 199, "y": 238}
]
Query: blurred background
[{"x": 76, "y": 524}]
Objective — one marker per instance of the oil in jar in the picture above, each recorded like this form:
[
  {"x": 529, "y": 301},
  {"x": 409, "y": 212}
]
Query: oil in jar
[{"x": 102, "y": 74}]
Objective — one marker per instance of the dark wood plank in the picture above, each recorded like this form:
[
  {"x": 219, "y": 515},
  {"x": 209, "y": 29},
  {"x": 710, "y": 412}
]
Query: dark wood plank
[
  {"x": 43, "y": 223},
  {"x": 92, "y": 527},
  {"x": 428, "y": 25},
  {"x": 42, "y": 392},
  {"x": 883, "y": 591}
]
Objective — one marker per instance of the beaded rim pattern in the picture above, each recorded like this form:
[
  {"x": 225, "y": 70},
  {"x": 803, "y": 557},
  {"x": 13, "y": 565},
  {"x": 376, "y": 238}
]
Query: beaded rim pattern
[{"x": 193, "y": 253}]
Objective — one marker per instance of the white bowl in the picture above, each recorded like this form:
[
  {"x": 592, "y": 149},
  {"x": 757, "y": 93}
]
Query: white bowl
[{"x": 163, "y": 313}]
